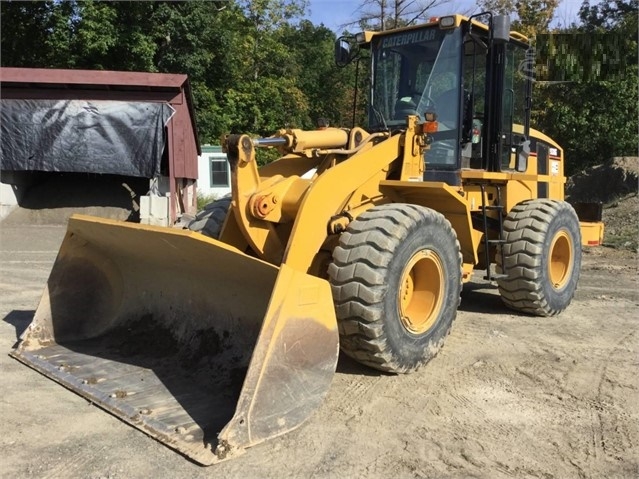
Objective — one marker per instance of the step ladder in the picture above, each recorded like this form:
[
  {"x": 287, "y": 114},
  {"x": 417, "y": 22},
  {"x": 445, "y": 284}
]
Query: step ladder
[{"x": 499, "y": 207}]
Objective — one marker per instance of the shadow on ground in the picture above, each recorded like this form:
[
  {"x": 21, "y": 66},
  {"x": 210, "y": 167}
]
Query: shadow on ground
[
  {"x": 19, "y": 320},
  {"x": 482, "y": 298}
]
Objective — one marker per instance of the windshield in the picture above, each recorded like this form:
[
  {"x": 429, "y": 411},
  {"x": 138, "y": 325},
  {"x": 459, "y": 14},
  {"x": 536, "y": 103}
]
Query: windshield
[{"x": 415, "y": 72}]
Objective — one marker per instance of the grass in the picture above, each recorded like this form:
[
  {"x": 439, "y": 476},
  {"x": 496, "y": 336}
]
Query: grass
[
  {"x": 621, "y": 223},
  {"x": 622, "y": 239},
  {"x": 203, "y": 200}
]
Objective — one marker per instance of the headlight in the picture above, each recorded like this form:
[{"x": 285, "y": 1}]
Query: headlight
[{"x": 447, "y": 22}]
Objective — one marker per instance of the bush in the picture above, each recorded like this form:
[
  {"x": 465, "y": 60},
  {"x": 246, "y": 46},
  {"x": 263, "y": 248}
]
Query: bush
[{"x": 203, "y": 200}]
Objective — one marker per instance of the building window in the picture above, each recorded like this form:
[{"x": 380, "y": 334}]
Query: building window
[{"x": 219, "y": 172}]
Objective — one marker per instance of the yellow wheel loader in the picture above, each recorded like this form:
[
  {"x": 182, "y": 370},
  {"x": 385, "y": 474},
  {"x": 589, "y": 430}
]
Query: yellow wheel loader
[{"x": 356, "y": 238}]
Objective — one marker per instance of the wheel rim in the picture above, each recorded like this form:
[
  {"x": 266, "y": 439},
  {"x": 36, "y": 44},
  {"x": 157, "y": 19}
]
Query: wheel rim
[
  {"x": 561, "y": 260},
  {"x": 421, "y": 291}
]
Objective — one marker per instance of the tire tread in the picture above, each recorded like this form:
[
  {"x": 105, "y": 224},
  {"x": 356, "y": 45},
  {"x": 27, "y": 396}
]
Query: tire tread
[
  {"x": 210, "y": 219},
  {"x": 525, "y": 230},
  {"x": 358, "y": 280}
]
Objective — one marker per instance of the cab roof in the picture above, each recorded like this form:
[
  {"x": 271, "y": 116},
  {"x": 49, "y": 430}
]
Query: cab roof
[{"x": 458, "y": 20}]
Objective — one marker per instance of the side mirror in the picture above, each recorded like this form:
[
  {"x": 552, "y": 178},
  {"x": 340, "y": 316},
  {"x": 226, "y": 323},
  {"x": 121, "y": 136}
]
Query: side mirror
[{"x": 343, "y": 52}]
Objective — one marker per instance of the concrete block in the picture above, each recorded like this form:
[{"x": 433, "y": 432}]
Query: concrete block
[{"x": 154, "y": 210}]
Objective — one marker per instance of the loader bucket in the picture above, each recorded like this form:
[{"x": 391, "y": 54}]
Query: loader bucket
[{"x": 197, "y": 344}]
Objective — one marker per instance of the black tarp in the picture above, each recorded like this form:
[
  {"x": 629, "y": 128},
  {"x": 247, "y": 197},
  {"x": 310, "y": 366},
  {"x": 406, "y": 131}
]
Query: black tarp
[{"x": 109, "y": 137}]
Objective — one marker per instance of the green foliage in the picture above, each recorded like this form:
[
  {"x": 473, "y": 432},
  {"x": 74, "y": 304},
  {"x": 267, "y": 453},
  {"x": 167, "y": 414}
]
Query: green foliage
[
  {"x": 95, "y": 35},
  {"x": 255, "y": 68},
  {"x": 329, "y": 89},
  {"x": 593, "y": 121},
  {"x": 203, "y": 200},
  {"x": 266, "y": 155},
  {"x": 35, "y": 34},
  {"x": 535, "y": 15},
  {"x": 610, "y": 15},
  {"x": 596, "y": 117},
  {"x": 530, "y": 17}
]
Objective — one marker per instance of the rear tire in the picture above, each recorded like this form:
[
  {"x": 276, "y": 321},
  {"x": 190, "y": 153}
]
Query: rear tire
[
  {"x": 210, "y": 220},
  {"x": 542, "y": 257},
  {"x": 396, "y": 282}
]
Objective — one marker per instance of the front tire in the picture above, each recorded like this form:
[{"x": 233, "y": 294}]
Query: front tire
[
  {"x": 396, "y": 281},
  {"x": 541, "y": 257}
]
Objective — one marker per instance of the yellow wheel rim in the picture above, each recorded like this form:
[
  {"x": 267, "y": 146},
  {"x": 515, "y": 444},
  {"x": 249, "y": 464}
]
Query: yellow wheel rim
[
  {"x": 561, "y": 260},
  {"x": 421, "y": 292}
]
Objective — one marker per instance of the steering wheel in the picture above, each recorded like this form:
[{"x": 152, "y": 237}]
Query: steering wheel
[{"x": 409, "y": 105}]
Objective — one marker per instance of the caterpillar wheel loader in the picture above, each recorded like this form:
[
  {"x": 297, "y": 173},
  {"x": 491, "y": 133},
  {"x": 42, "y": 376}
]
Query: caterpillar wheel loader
[{"x": 217, "y": 338}]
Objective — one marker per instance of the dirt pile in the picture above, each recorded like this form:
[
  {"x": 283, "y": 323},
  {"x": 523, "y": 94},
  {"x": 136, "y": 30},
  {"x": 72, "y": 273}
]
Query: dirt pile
[
  {"x": 615, "y": 184},
  {"x": 605, "y": 183}
]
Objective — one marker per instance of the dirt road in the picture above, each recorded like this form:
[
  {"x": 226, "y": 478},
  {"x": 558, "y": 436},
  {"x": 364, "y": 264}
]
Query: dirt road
[{"x": 508, "y": 396}]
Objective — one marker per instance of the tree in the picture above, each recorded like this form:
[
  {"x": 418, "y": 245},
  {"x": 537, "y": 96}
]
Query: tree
[
  {"x": 609, "y": 15},
  {"x": 389, "y": 14},
  {"x": 529, "y": 17},
  {"x": 198, "y": 38},
  {"x": 264, "y": 95},
  {"x": 535, "y": 15},
  {"x": 36, "y": 34},
  {"x": 253, "y": 66},
  {"x": 596, "y": 118},
  {"x": 328, "y": 89}
]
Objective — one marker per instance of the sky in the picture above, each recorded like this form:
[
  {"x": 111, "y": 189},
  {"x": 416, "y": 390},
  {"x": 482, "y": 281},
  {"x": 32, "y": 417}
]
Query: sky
[{"x": 336, "y": 13}]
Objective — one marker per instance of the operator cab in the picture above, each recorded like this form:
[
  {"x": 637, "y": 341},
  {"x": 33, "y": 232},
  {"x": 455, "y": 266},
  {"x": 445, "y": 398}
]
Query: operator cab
[{"x": 470, "y": 77}]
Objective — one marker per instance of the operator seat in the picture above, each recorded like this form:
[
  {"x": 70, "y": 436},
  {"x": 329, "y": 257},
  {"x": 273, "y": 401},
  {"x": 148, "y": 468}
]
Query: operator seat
[{"x": 405, "y": 106}]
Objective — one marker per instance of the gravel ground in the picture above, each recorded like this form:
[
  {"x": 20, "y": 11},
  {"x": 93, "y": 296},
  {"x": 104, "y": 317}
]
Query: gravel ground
[{"x": 508, "y": 396}]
